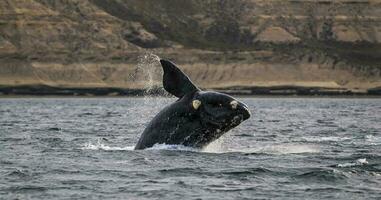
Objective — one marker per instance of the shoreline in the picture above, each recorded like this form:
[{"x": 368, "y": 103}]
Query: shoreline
[
  {"x": 239, "y": 96},
  {"x": 274, "y": 91}
]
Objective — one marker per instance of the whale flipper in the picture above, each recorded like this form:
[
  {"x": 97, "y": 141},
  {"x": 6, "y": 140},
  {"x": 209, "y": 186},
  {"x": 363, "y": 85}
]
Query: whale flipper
[{"x": 175, "y": 81}]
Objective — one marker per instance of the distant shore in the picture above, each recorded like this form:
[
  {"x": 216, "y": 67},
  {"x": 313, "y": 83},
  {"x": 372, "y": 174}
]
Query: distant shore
[{"x": 42, "y": 90}]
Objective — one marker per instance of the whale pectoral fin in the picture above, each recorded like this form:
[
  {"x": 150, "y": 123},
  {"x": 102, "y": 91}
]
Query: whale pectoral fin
[{"x": 175, "y": 81}]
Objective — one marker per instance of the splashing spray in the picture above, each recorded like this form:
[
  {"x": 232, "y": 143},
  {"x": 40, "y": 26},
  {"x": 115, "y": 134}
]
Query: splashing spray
[{"x": 149, "y": 72}]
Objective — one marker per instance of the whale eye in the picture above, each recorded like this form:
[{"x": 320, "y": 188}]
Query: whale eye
[
  {"x": 196, "y": 104},
  {"x": 234, "y": 104}
]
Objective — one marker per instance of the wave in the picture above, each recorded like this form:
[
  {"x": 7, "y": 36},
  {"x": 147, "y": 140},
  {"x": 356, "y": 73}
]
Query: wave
[
  {"x": 359, "y": 166},
  {"x": 323, "y": 175},
  {"x": 358, "y": 162},
  {"x": 19, "y": 173},
  {"x": 247, "y": 171}
]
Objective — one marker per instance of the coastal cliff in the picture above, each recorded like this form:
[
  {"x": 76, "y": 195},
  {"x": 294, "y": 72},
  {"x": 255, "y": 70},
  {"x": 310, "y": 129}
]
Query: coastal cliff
[{"x": 246, "y": 47}]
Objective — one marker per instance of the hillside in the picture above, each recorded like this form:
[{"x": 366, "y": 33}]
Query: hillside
[{"x": 248, "y": 47}]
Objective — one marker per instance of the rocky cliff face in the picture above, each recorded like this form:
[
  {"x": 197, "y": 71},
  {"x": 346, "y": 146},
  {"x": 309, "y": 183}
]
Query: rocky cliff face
[{"x": 325, "y": 45}]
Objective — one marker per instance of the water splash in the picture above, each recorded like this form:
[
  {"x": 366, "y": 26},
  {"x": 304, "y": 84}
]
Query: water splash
[
  {"x": 217, "y": 146},
  {"x": 149, "y": 73},
  {"x": 175, "y": 147},
  {"x": 358, "y": 162},
  {"x": 99, "y": 145},
  {"x": 373, "y": 140}
]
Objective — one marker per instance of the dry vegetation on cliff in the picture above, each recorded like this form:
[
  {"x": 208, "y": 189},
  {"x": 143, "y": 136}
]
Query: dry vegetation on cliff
[{"x": 253, "y": 46}]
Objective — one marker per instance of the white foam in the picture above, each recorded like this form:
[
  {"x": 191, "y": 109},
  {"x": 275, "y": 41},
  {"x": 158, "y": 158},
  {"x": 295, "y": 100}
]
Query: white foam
[
  {"x": 326, "y": 139},
  {"x": 216, "y": 146},
  {"x": 374, "y": 140},
  {"x": 358, "y": 162},
  {"x": 362, "y": 161},
  {"x": 281, "y": 149},
  {"x": 100, "y": 146},
  {"x": 290, "y": 149},
  {"x": 174, "y": 147}
]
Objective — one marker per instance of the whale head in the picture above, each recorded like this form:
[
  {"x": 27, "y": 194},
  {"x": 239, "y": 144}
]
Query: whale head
[
  {"x": 216, "y": 110},
  {"x": 220, "y": 110}
]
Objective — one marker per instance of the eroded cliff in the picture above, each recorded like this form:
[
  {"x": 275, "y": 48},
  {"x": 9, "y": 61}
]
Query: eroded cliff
[{"x": 257, "y": 46}]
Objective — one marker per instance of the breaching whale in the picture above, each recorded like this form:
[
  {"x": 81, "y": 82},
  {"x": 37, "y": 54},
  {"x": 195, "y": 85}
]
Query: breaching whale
[{"x": 196, "y": 119}]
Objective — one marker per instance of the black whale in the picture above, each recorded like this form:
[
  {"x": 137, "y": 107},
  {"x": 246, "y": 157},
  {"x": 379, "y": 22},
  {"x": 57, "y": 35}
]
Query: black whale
[{"x": 196, "y": 119}]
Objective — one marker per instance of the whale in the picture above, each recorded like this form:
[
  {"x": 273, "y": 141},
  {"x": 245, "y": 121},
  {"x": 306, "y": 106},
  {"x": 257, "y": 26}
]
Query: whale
[{"x": 196, "y": 118}]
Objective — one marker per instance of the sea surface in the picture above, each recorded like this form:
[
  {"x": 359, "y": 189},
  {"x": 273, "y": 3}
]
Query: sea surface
[{"x": 291, "y": 148}]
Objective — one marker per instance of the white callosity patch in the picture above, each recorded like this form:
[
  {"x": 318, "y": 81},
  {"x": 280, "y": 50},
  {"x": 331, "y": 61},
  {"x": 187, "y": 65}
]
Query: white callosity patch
[
  {"x": 234, "y": 104},
  {"x": 196, "y": 104}
]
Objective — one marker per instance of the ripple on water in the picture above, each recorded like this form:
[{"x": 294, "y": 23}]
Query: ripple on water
[
  {"x": 19, "y": 173},
  {"x": 328, "y": 176},
  {"x": 247, "y": 171}
]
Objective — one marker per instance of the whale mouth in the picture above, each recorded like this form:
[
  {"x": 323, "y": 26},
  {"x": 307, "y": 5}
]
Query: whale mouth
[
  {"x": 232, "y": 122},
  {"x": 237, "y": 120},
  {"x": 214, "y": 122}
]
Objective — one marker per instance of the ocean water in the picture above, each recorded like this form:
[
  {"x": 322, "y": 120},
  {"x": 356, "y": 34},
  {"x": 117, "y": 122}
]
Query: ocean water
[{"x": 291, "y": 148}]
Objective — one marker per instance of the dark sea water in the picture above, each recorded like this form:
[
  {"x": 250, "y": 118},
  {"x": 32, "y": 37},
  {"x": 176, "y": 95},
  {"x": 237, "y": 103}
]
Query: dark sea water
[{"x": 291, "y": 148}]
